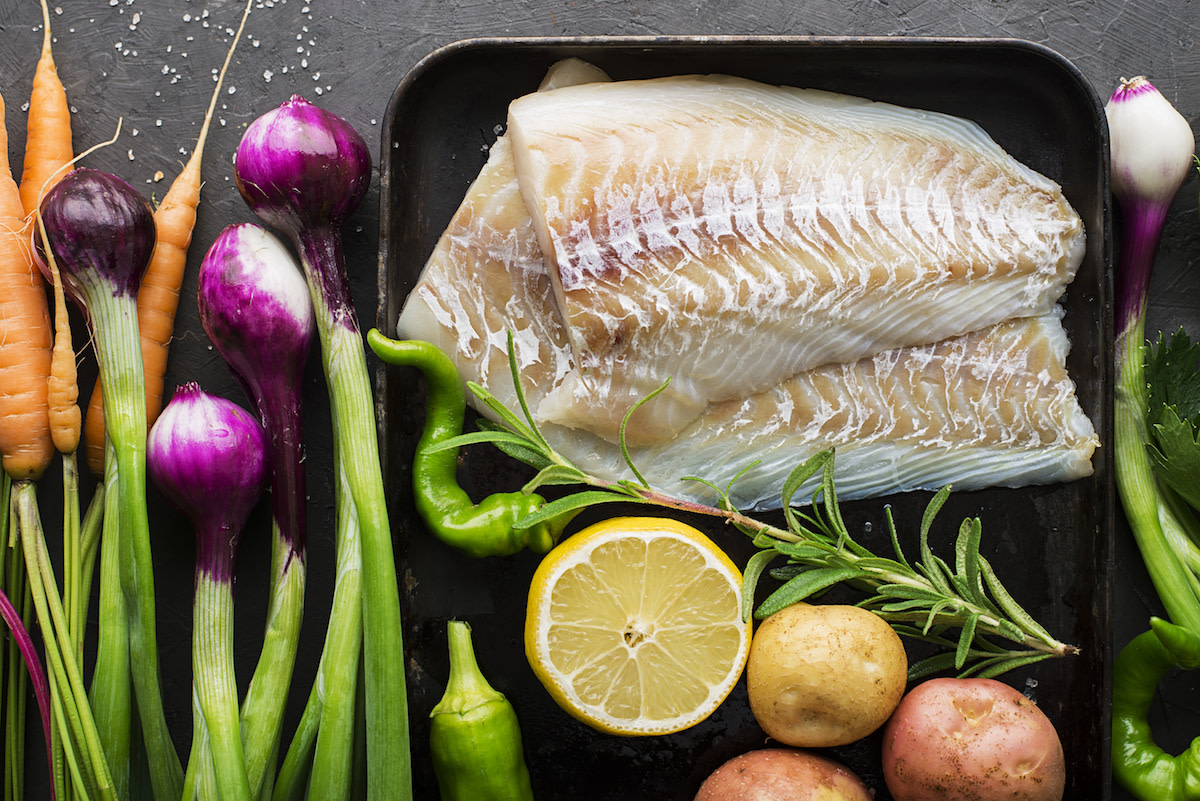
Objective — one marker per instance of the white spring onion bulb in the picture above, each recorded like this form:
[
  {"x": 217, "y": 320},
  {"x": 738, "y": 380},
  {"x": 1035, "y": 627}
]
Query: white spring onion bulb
[{"x": 1152, "y": 144}]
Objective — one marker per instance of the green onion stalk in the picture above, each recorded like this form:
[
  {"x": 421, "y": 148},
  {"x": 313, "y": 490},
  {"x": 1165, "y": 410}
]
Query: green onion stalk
[
  {"x": 303, "y": 171},
  {"x": 101, "y": 234}
]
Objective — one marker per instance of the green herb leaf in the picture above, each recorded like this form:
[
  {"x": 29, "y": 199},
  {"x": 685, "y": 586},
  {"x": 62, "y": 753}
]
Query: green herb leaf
[
  {"x": 1172, "y": 376},
  {"x": 1175, "y": 454},
  {"x": 803, "y": 586},
  {"x": 571, "y": 503},
  {"x": 750, "y": 576}
]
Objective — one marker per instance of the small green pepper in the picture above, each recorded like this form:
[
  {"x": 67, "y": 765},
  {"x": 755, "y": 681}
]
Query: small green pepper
[
  {"x": 1139, "y": 764},
  {"x": 474, "y": 736},
  {"x": 488, "y": 528}
]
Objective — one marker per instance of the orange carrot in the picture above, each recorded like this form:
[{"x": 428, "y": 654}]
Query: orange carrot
[
  {"x": 62, "y": 386},
  {"x": 48, "y": 150},
  {"x": 158, "y": 299},
  {"x": 25, "y": 444}
]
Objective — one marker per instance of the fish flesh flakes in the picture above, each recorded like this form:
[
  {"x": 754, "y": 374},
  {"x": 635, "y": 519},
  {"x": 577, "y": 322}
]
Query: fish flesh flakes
[{"x": 726, "y": 234}]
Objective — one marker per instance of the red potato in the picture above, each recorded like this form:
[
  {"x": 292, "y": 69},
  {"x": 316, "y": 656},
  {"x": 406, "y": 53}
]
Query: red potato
[
  {"x": 971, "y": 740},
  {"x": 782, "y": 774}
]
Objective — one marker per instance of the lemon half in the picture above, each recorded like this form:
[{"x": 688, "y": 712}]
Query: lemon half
[{"x": 634, "y": 625}]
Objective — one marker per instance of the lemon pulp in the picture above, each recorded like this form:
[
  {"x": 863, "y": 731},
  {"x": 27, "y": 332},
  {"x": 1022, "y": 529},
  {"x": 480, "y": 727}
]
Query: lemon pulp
[{"x": 634, "y": 625}]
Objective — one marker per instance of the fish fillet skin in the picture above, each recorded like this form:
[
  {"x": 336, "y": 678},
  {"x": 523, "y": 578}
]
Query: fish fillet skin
[{"x": 726, "y": 234}]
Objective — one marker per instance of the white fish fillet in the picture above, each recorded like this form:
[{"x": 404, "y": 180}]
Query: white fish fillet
[
  {"x": 995, "y": 408},
  {"x": 486, "y": 277},
  {"x": 727, "y": 234}
]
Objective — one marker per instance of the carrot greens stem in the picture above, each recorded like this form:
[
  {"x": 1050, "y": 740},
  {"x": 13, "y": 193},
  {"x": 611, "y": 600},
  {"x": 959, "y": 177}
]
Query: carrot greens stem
[{"x": 80, "y": 738}]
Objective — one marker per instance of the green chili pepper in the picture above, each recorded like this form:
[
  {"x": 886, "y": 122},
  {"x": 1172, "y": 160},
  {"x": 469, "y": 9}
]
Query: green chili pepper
[
  {"x": 488, "y": 528},
  {"x": 473, "y": 733},
  {"x": 1139, "y": 764}
]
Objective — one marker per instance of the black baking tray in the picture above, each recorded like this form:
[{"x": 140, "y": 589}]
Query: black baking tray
[{"x": 1052, "y": 546}]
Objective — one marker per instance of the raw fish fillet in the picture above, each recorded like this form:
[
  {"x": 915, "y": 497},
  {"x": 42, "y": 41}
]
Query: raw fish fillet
[
  {"x": 992, "y": 408},
  {"x": 995, "y": 408},
  {"x": 725, "y": 234},
  {"x": 486, "y": 276}
]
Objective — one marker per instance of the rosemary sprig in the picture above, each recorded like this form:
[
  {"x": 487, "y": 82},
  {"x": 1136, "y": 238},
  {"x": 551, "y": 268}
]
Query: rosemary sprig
[{"x": 927, "y": 599}]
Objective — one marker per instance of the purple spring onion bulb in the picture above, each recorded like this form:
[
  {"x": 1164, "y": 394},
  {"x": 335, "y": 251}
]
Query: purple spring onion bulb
[
  {"x": 304, "y": 170},
  {"x": 208, "y": 456},
  {"x": 101, "y": 231},
  {"x": 202, "y": 448},
  {"x": 255, "y": 307}
]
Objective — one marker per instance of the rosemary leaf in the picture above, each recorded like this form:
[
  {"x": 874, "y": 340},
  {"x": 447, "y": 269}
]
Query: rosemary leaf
[
  {"x": 991, "y": 668},
  {"x": 804, "y": 586},
  {"x": 1010, "y": 606},
  {"x": 754, "y": 569},
  {"x": 965, "y": 638},
  {"x": 554, "y": 475},
  {"x": 571, "y": 503},
  {"x": 908, "y": 591},
  {"x": 891, "y": 527},
  {"x": 967, "y": 551}
]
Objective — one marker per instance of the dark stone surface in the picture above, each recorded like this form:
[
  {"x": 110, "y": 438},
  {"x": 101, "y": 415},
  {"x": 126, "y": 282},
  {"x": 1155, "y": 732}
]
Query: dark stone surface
[{"x": 151, "y": 66}]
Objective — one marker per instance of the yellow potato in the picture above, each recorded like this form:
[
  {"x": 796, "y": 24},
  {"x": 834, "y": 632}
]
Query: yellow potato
[{"x": 824, "y": 675}]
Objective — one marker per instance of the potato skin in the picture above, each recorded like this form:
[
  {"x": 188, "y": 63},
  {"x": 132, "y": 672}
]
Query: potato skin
[
  {"x": 782, "y": 774},
  {"x": 824, "y": 675},
  {"x": 971, "y": 740}
]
